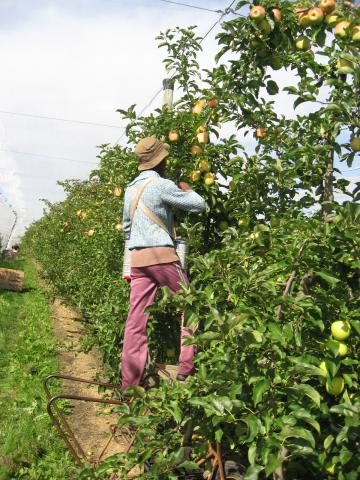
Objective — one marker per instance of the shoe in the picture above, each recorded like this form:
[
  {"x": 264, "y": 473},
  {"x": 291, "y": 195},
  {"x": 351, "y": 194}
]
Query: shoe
[{"x": 181, "y": 378}]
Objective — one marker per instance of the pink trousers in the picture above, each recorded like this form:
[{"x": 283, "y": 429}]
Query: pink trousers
[{"x": 144, "y": 284}]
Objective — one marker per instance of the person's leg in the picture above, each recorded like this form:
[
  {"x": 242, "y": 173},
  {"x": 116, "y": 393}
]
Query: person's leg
[
  {"x": 134, "y": 353},
  {"x": 171, "y": 274}
]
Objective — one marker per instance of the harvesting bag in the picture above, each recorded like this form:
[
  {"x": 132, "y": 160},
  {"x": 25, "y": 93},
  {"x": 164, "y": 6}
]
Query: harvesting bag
[{"x": 181, "y": 246}]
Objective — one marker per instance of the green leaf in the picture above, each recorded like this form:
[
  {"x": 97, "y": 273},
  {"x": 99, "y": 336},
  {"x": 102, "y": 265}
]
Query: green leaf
[
  {"x": 305, "y": 416},
  {"x": 252, "y": 473},
  {"x": 272, "y": 87},
  {"x": 309, "y": 391},
  {"x": 273, "y": 462},
  {"x": 253, "y": 427},
  {"x": 219, "y": 434},
  {"x": 328, "y": 441},
  {"x": 328, "y": 277},
  {"x": 252, "y": 453},
  {"x": 297, "y": 432},
  {"x": 260, "y": 388},
  {"x": 189, "y": 465}
]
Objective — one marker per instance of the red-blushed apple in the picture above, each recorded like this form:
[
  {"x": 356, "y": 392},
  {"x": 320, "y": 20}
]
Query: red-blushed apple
[
  {"x": 173, "y": 136},
  {"x": 332, "y": 20},
  {"x": 213, "y": 103},
  {"x": 196, "y": 150},
  {"x": 204, "y": 166},
  {"x": 316, "y": 15},
  {"x": 327, "y": 5},
  {"x": 341, "y": 28},
  {"x": 195, "y": 175},
  {"x": 257, "y": 13},
  {"x": 277, "y": 14},
  {"x": 260, "y": 132},
  {"x": 209, "y": 178},
  {"x": 355, "y": 34},
  {"x": 203, "y": 137},
  {"x": 304, "y": 20},
  {"x": 355, "y": 144},
  {"x": 198, "y": 107},
  {"x": 302, "y": 43},
  {"x": 200, "y": 129},
  {"x": 344, "y": 66}
]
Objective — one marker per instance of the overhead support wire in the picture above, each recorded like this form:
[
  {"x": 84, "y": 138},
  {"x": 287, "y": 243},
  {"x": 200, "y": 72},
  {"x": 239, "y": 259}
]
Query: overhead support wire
[{"x": 17, "y": 152}]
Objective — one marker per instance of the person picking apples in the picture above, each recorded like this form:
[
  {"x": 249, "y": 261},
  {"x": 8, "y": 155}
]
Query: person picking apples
[{"x": 147, "y": 224}]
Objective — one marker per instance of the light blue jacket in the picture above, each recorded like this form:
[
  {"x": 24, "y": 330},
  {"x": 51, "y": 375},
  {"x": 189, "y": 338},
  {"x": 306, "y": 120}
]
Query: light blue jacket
[{"x": 160, "y": 196}]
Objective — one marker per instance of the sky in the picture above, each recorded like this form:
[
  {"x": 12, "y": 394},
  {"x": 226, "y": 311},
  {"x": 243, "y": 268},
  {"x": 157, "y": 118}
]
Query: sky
[{"x": 79, "y": 60}]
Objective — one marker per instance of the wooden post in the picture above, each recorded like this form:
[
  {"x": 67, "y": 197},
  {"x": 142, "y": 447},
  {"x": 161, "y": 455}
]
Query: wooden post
[{"x": 168, "y": 89}]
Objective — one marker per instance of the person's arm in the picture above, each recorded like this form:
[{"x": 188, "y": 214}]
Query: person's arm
[
  {"x": 126, "y": 222},
  {"x": 183, "y": 198}
]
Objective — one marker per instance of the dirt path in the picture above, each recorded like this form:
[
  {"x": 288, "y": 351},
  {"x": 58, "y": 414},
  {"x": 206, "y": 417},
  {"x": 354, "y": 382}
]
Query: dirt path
[{"x": 89, "y": 420}]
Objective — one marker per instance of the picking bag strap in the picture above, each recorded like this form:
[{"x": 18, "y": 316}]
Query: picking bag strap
[
  {"x": 146, "y": 211},
  {"x": 138, "y": 194}
]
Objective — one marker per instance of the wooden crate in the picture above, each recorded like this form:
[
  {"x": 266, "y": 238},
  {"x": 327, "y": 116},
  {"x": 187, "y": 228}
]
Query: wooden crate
[{"x": 11, "y": 279}]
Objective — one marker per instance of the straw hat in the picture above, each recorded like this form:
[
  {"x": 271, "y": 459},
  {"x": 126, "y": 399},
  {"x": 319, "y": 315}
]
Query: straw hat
[{"x": 150, "y": 152}]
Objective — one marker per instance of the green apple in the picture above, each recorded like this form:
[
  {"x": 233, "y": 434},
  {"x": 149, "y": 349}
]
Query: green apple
[
  {"x": 323, "y": 367},
  {"x": 344, "y": 66},
  {"x": 343, "y": 349},
  {"x": 302, "y": 43},
  {"x": 355, "y": 34},
  {"x": 355, "y": 144},
  {"x": 265, "y": 27},
  {"x": 340, "y": 329},
  {"x": 223, "y": 225},
  {"x": 335, "y": 386}
]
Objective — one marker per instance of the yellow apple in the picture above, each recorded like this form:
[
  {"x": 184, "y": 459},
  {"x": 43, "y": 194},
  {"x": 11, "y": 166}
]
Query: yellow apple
[
  {"x": 198, "y": 107},
  {"x": 173, "y": 136},
  {"x": 340, "y": 329},
  {"x": 355, "y": 144},
  {"x": 90, "y": 232},
  {"x": 344, "y": 66},
  {"x": 209, "y": 178},
  {"x": 196, "y": 150},
  {"x": 203, "y": 137},
  {"x": 302, "y": 43},
  {"x": 332, "y": 20},
  {"x": 117, "y": 191},
  {"x": 341, "y": 29},
  {"x": 355, "y": 34},
  {"x": 200, "y": 129},
  {"x": 195, "y": 175},
  {"x": 343, "y": 349},
  {"x": 118, "y": 227},
  {"x": 323, "y": 367},
  {"x": 304, "y": 19},
  {"x": 204, "y": 166},
  {"x": 335, "y": 386}
]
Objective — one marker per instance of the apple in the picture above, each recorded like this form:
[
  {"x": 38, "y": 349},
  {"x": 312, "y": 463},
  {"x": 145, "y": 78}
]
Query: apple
[
  {"x": 198, "y": 107},
  {"x": 316, "y": 15},
  {"x": 204, "y": 166},
  {"x": 304, "y": 19},
  {"x": 83, "y": 215},
  {"x": 257, "y": 13},
  {"x": 209, "y": 178},
  {"x": 223, "y": 225},
  {"x": 203, "y": 137},
  {"x": 332, "y": 20},
  {"x": 107, "y": 410},
  {"x": 200, "y": 129},
  {"x": 340, "y": 329},
  {"x": 343, "y": 349},
  {"x": 355, "y": 144},
  {"x": 331, "y": 469},
  {"x": 341, "y": 29},
  {"x": 335, "y": 386},
  {"x": 195, "y": 175},
  {"x": 265, "y": 26},
  {"x": 118, "y": 227},
  {"x": 344, "y": 66},
  {"x": 327, "y": 5},
  {"x": 323, "y": 367},
  {"x": 277, "y": 14},
  {"x": 90, "y": 233},
  {"x": 78, "y": 213},
  {"x": 196, "y": 150},
  {"x": 356, "y": 33},
  {"x": 302, "y": 43},
  {"x": 117, "y": 191},
  {"x": 173, "y": 136},
  {"x": 260, "y": 132},
  {"x": 213, "y": 103},
  {"x": 243, "y": 222},
  {"x": 275, "y": 62}
]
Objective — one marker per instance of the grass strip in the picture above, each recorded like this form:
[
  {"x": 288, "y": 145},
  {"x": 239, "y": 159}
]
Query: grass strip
[{"x": 30, "y": 448}]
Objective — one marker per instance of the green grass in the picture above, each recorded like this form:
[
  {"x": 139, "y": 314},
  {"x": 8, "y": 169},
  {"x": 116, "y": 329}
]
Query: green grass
[{"x": 30, "y": 447}]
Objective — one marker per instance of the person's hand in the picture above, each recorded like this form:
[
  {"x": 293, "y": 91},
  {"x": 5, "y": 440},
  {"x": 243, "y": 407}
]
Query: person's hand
[{"x": 184, "y": 186}]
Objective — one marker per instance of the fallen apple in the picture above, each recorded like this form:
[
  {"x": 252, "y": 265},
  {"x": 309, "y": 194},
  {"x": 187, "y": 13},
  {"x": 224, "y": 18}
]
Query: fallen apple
[
  {"x": 340, "y": 329},
  {"x": 117, "y": 191},
  {"x": 90, "y": 233},
  {"x": 118, "y": 227}
]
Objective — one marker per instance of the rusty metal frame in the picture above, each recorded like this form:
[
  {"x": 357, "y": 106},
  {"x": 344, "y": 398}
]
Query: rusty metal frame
[
  {"x": 62, "y": 425},
  {"x": 73, "y": 444}
]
